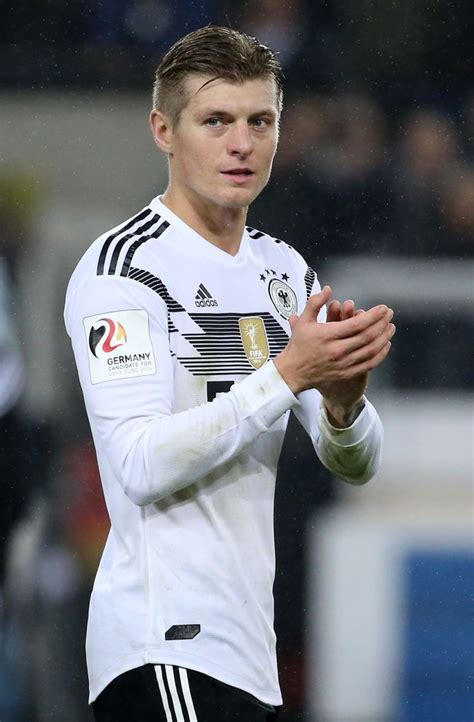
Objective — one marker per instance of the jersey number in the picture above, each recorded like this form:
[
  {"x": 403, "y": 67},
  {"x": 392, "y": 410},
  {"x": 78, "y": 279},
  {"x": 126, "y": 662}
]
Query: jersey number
[{"x": 217, "y": 387}]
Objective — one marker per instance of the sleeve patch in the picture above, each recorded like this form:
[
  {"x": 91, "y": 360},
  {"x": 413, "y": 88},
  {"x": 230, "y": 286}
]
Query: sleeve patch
[{"x": 119, "y": 345}]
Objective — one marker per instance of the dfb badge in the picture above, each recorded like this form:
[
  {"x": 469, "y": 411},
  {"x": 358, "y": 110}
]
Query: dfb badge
[{"x": 283, "y": 298}]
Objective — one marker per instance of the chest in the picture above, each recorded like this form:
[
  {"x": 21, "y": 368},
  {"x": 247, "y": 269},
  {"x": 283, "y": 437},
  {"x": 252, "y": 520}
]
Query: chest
[{"x": 231, "y": 321}]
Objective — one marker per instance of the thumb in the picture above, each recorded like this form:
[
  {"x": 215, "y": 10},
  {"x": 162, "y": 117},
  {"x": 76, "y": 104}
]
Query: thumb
[{"x": 315, "y": 303}]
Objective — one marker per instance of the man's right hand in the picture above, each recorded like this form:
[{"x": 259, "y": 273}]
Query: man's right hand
[{"x": 325, "y": 356}]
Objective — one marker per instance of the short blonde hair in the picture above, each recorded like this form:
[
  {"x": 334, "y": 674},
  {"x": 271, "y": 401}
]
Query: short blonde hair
[{"x": 217, "y": 52}]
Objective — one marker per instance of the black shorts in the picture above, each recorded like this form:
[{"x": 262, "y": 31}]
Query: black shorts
[{"x": 164, "y": 693}]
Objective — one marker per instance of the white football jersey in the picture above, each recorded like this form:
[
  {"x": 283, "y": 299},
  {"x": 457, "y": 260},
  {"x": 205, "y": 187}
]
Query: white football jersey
[{"x": 173, "y": 340}]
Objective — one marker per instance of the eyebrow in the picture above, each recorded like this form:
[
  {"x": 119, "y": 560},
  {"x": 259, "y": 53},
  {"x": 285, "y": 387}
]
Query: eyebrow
[{"x": 270, "y": 112}]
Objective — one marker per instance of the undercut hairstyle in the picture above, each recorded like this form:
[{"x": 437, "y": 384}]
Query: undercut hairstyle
[{"x": 217, "y": 52}]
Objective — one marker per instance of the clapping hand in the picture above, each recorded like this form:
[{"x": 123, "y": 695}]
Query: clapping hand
[{"x": 336, "y": 357}]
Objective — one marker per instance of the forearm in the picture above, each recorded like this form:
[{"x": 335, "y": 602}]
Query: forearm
[{"x": 168, "y": 453}]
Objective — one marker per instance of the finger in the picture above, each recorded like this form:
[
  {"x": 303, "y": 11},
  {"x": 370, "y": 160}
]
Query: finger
[
  {"x": 359, "y": 311},
  {"x": 293, "y": 320},
  {"x": 334, "y": 312},
  {"x": 315, "y": 303},
  {"x": 366, "y": 366},
  {"x": 374, "y": 335},
  {"x": 371, "y": 350},
  {"x": 361, "y": 322},
  {"x": 347, "y": 310}
]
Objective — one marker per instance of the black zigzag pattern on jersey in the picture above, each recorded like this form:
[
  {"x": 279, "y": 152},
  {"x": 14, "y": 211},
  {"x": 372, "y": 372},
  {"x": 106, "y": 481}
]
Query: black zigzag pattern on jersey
[
  {"x": 157, "y": 285},
  {"x": 220, "y": 347},
  {"x": 146, "y": 220},
  {"x": 309, "y": 281},
  {"x": 253, "y": 233}
]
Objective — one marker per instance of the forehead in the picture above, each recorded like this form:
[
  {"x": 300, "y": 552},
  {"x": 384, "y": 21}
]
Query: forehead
[{"x": 250, "y": 96}]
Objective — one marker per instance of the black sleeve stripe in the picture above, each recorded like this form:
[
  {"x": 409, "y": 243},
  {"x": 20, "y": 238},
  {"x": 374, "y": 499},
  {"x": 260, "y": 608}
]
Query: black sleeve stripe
[
  {"x": 131, "y": 251},
  {"x": 120, "y": 243},
  {"x": 136, "y": 219},
  {"x": 309, "y": 281}
]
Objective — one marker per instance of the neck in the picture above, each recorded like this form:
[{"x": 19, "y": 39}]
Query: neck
[{"x": 223, "y": 227}]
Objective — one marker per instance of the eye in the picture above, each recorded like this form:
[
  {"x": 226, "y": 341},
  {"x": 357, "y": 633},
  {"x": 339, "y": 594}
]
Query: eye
[
  {"x": 213, "y": 122},
  {"x": 260, "y": 122}
]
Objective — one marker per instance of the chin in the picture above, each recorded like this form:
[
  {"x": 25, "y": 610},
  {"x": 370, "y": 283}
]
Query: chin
[{"x": 242, "y": 199}]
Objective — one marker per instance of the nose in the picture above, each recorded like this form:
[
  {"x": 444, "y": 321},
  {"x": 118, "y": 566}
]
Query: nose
[{"x": 240, "y": 140}]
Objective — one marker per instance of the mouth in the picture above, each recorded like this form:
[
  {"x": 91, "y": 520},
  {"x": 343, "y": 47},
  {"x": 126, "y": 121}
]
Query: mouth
[{"x": 239, "y": 175}]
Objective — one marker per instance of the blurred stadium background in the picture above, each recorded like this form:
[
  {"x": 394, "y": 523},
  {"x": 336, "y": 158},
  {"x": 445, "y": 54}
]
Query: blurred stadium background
[{"x": 374, "y": 184}]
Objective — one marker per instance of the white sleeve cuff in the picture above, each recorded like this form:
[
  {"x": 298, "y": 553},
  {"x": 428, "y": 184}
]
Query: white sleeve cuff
[
  {"x": 353, "y": 434},
  {"x": 265, "y": 394}
]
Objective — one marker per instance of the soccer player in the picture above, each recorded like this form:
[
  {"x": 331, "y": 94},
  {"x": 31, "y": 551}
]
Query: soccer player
[{"x": 194, "y": 336}]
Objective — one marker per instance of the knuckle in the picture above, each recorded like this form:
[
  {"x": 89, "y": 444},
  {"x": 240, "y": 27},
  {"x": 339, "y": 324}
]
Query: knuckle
[{"x": 335, "y": 354}]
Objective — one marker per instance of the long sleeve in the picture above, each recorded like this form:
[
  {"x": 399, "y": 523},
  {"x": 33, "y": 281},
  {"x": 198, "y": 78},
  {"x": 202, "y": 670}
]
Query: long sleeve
[{"x": 171, "y": 451}]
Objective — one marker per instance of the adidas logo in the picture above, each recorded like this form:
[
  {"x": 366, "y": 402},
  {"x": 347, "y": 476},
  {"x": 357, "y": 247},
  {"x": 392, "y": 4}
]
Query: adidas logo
[{"x": 204, "y": 298}]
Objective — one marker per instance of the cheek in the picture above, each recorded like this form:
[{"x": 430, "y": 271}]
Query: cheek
[{"x": 194, "y": 161}]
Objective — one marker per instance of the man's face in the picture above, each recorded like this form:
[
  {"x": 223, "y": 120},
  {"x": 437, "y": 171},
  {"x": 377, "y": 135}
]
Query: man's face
[{"x": 222, "y": 148}]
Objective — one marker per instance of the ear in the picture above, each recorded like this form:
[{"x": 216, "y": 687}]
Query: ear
[{"x": 162, "y": 130}]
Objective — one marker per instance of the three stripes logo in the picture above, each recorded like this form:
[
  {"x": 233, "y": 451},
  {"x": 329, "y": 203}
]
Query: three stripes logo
[
  {"x": 173, "y": 684},
  {"x": 203, "y": 297}
]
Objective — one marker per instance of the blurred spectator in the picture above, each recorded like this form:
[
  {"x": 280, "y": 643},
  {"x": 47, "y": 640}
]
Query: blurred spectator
[
  {"x": 75, "y": 526},
  {"x": 127, "y": 37},
  {"x": 24, "y": 441},
  {"x": 13, "y": 491},
  {"x": 289, "y": 206},
  {"x": 305, "y": 36},
  {"x": 424, "y": 161},
  {"x": 457, "y": 214},
  {"x": 332, "y": 172},
  {"x": 12, "y": 488},
  {"x": 350, "y": 165},
  {"x": 269, "y": 20},
  {"x": 16, "y": 195}
]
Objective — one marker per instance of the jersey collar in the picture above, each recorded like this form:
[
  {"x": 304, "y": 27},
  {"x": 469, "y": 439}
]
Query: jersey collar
[{"x": 206, "y": 247}]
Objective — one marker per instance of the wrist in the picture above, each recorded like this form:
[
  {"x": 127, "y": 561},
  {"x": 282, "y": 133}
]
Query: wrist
[
  {"x": 342, "y": 416},
  {"x": 287, "y": 372}
]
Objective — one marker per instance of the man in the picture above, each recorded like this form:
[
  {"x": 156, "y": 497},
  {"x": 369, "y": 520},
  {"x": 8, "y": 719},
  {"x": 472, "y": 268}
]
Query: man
[{"x": 191, "y": 353}]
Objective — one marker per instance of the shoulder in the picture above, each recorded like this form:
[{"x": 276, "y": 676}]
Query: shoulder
[
  {"x": 271, "y": 244},
  {"x": 271, "y": 247},
  {"x": 111, "y": 254},
  {"x": 106, "y": 269}
]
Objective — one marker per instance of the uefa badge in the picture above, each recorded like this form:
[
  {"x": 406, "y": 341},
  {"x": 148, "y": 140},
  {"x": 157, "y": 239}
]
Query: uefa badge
[
  {"x": 283, "y": 298},
  {"x": 254, "y": 339},
  {"x": 119, "y": 345}
]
